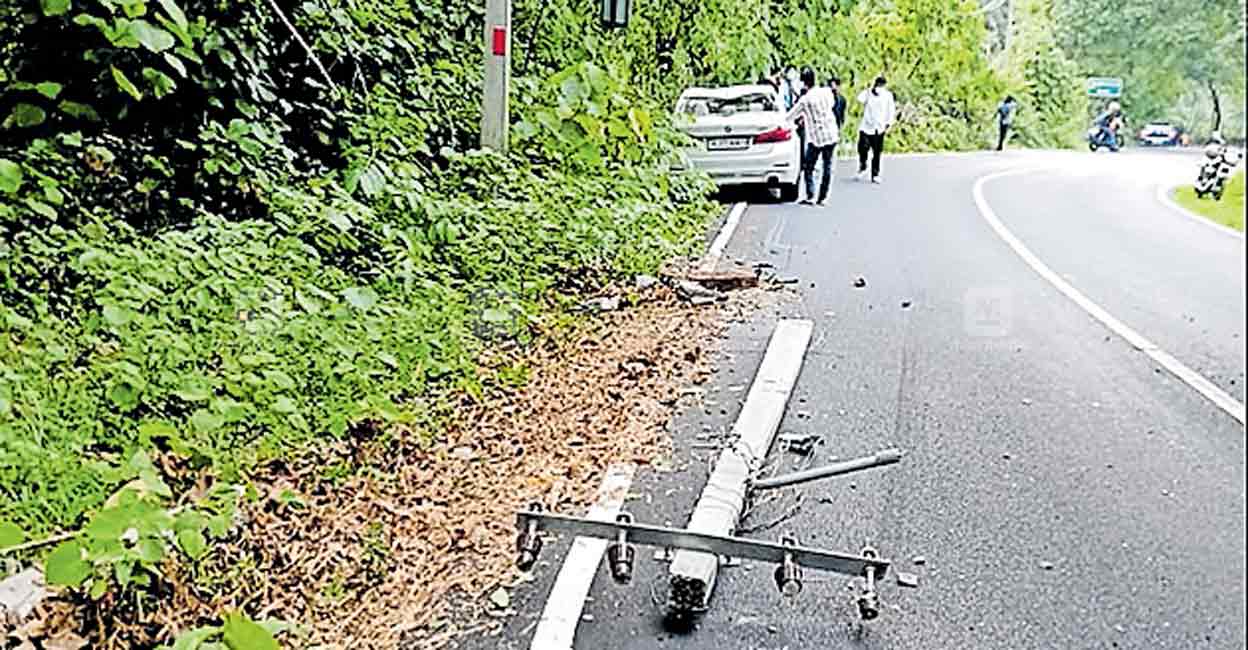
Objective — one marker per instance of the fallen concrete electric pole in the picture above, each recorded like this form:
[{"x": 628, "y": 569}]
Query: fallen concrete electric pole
[
  {"x": 718, "y": 510},
  {"x": 708, "y": 538}
]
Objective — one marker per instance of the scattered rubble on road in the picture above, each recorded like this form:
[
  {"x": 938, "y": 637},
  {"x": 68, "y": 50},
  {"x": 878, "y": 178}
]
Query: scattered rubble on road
[
  {"x": 910, "y": 580},
  {"x": 799, "y": 443}
]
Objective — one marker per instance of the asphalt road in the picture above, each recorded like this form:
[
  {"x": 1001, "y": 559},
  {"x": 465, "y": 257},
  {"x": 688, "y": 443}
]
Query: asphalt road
[{"x": 1065, "y": 491}]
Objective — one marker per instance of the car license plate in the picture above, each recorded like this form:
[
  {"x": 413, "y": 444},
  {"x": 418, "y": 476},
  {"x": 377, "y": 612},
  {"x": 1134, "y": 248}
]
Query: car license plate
[{"x": 720, "y": 144}]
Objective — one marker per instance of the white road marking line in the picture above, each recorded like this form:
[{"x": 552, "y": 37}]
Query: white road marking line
[
  {"x": 557, "y": 627},
  {"x": 721, "y": 240},
  {"x": 1202, "y": 385},
  {"x": 1163, "y": 195}
]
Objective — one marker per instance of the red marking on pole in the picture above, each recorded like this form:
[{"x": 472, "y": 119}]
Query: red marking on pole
[{"x": 500, "y": 41}]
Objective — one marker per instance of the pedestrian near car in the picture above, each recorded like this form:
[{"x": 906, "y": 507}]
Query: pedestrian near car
[
  {"x": 805, "y": 83},
  {"x": 792, "y": 87},
  {"x": 816, "y": 110},
  {"x": 1005, "y": 118},
  {"x": 879, "y": 110}
]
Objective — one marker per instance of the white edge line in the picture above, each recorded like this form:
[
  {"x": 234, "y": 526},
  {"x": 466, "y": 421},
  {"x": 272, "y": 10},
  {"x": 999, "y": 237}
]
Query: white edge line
[
  {"x": 1195, "y": 380},
  {"x": 721, "y": 240},
  {"x": 556, "y": 629},
  {"x": 1163, "y": 195}
]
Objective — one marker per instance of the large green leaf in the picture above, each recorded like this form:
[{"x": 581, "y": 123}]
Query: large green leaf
[
  {"x": 65, "y": 566},
  {"x": 150, "y": 36},
  {"x": 25, "y": 115},
  {"x": 10, "y": 534},
  {"x": 192, "y": 542},
  {"x": 81, "y": 111},
  {"x": 175, "y": 13},
  {"x": 54, "y": 7},
  {"x": 10, "y": 176},
  {"x": 49, "y": 89},
  {"x": 242, "y": 633},
  {"x": 124, "y": 83}
]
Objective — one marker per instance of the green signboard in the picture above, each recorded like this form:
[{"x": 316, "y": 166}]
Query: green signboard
[{"x": 1104, "y": 87}]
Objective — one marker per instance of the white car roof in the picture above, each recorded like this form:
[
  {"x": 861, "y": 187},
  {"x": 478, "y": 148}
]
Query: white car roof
[{"x": 728, "y": 92}]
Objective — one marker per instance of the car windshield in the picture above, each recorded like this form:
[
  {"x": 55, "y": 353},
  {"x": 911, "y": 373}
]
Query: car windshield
[{"x": 749, "y": 103}]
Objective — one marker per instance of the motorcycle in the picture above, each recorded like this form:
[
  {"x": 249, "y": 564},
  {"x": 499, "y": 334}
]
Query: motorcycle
[
  {"x": 1220, "y": 161},
  {"x": 1099, "y": 136}
]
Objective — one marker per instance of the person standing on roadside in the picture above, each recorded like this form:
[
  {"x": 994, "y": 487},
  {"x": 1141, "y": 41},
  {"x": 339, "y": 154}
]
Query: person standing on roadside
[
  {"x": 792, "y": 87},
  {"x": 839, "y": 108},
  {"x": 805, "y": 83},
  {"x": 815, "y": 109},
  {"x": 879, "y": 111},
  {"x": 1005, "y": 117}
]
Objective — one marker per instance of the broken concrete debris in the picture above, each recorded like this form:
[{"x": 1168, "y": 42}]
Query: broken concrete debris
[
  {"x": 643, "y": 282},
  {"x": 799, "y": 443},
  {"x": 602, "y": 304},
  {"x": 20, "y": 594}
]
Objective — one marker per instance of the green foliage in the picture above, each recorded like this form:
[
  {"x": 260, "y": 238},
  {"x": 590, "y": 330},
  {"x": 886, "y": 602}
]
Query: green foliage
[
  {"x": 929, "y": 50},
  {"x": 237, "y": 632},
  {"x": 126, "y": 542},
  {"x": 208, "y": 252}
]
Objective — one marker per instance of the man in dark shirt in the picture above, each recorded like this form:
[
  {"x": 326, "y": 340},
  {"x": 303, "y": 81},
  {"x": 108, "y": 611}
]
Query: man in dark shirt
[{"x": 839, "y": 108}]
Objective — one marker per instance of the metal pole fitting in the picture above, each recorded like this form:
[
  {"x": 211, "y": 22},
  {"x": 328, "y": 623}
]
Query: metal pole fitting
[
  {"x": 789, "y": 573},
  {"x": 621, "y": 554},
  {"x": 529, "y": 543},
  {"x": 886, "y": 457},
  {"x": 868, "y": 600}
]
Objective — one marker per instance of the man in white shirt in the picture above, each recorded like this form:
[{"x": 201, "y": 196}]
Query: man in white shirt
[
  {"x": 817, "y": 111},
  {"x": 878, "y": 114}
]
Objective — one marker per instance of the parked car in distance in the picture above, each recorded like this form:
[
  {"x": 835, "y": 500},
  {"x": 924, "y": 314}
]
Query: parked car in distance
[
  {"x": 741, "y": 136},
  {"x": 1159, "y": 134}
]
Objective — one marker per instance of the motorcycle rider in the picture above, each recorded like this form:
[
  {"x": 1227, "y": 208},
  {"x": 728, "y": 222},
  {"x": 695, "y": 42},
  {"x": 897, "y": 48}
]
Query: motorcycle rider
[{"x": 1109, "y": 122}]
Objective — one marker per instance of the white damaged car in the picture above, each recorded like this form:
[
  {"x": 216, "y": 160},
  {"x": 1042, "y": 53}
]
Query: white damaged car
[{"x": 742, "y": 137}]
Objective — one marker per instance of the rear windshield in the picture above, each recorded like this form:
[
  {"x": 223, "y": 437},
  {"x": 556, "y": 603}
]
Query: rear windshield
[{"x": 752, "y": 103}]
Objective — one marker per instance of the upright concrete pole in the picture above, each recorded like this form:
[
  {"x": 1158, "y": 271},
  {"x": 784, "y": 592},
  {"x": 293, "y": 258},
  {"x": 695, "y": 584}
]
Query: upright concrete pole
[{"x": 497, "y": 74}]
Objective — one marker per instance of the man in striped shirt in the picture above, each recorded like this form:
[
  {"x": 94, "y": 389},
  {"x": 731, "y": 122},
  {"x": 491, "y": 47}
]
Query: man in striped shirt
[{"x": 817, "y": 112}]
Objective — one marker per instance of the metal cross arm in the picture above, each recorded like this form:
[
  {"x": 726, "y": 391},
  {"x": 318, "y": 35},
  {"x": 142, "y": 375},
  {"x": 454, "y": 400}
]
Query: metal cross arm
[{"x": 625, "y": 534}]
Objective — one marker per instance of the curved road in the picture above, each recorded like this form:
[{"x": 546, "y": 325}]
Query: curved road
[{"x": 1064, "y": 489}]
